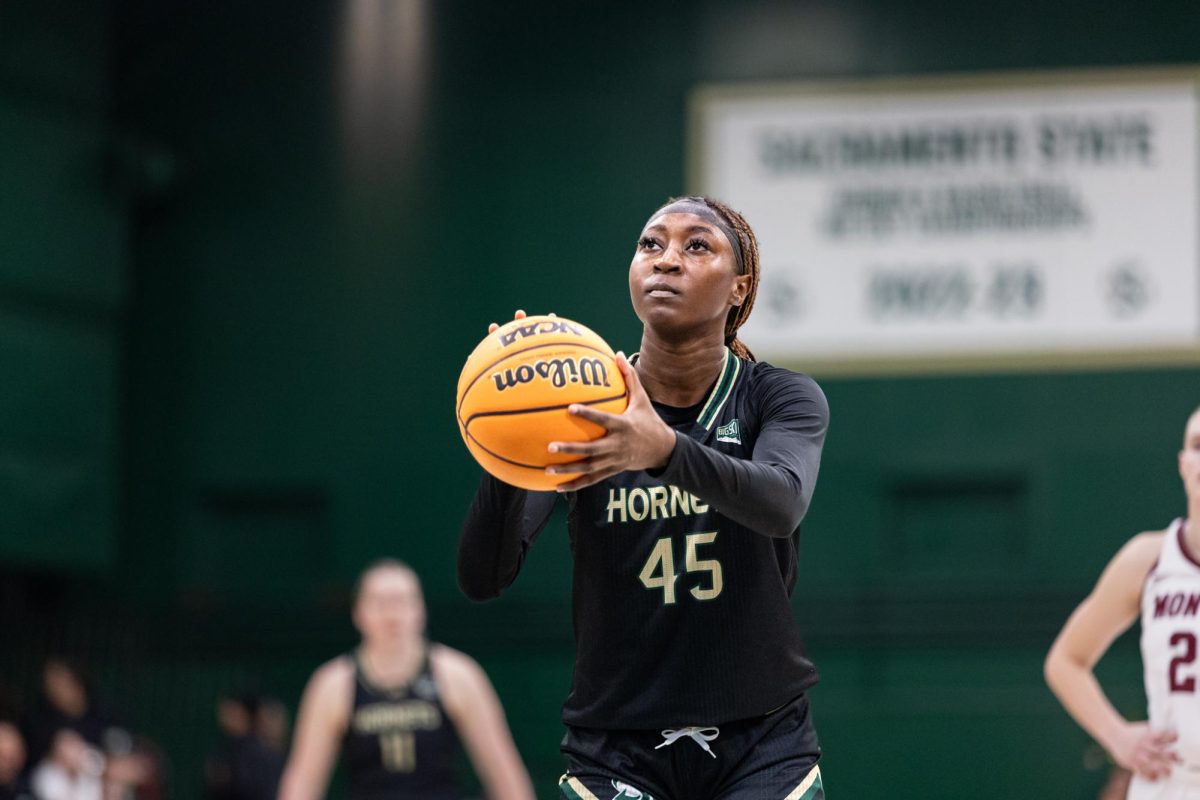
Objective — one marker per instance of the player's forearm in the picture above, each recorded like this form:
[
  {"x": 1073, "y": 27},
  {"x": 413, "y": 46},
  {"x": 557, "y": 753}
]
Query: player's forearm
[
  {"x": 765, "y": 496},
  {"x": 493, "y": 752},
  {"x": 295, "y": 786},
  {"x": 500, "y": 526},
  {"x": 1076, "y": 687},
  {"x": 509, "y": 781}
]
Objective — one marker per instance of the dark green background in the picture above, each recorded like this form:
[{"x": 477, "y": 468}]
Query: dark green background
[{"x": 228, "y": 345}]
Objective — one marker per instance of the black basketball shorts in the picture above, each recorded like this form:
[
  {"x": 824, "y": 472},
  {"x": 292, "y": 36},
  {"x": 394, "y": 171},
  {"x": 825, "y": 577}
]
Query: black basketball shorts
[{"x": 773, "y": 757}]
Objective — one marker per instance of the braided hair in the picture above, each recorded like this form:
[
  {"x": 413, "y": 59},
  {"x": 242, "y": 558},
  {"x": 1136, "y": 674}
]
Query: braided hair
[{"x": 748, "y": 264}]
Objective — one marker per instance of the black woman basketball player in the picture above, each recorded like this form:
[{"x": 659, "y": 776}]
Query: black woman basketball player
[
  {"x": 397, "y": 708},
  {"x": 690, "y": 677},
  {"x": 1157, "y": 575}
]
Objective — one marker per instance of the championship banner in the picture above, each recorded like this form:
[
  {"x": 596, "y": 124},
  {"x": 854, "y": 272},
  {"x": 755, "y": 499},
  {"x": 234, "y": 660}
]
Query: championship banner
[{"x": 1048, "y": 219}]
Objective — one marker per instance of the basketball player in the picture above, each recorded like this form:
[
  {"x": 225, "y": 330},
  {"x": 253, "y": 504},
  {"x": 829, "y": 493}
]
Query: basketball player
[
  {"x": 1157, "y": 574},
  {"x": 397, "y": 708},
  {"x": 690, "y": 678}
]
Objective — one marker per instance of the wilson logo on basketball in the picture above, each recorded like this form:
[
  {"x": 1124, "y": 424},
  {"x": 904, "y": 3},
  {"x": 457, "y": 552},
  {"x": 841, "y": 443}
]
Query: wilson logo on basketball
[
  {"x": 537, "y": 329},
  {"x": 559, "y": 371}
]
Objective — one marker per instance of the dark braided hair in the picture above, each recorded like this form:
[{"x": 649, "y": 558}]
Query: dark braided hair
[{"x": 748, "y": 243}]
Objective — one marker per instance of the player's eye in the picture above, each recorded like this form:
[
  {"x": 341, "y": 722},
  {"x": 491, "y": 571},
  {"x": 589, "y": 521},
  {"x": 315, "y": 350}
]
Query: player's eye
[
  {"x": 698, "y": 244},
  {"x": 648, "y": 243}
]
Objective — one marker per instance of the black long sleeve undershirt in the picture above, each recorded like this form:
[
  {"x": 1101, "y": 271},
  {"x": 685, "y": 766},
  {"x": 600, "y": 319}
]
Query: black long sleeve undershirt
[
  {"x": 769, "y": 493},
  {"x": 501, "y": 526}
]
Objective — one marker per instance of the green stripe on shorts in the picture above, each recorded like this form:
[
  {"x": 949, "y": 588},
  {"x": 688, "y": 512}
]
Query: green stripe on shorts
[
  {"x": 810, "y": 788},
  {"x": 572, "y": 789}
]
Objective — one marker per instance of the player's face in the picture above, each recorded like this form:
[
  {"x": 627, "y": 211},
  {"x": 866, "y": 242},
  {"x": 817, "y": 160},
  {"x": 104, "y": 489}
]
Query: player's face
[
  {"x": 683, "y": 278},
  {"x": 390, "y": 608},
  {"x": 1189, "y": 457}
]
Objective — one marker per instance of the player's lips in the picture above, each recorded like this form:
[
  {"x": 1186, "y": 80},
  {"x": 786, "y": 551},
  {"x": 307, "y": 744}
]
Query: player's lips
[{"x": 661, "y": 289}]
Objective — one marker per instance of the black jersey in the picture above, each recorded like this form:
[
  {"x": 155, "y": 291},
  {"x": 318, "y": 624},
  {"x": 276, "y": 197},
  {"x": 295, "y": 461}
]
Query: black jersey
[
  {"x": 682, "y": 578},
  {"x": 400, "y": 744}
]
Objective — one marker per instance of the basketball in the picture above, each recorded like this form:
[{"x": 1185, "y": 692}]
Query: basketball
[{"x": 514, "y": 391}]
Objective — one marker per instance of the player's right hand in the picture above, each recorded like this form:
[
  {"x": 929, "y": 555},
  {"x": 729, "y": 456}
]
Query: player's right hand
[
  {"x": 518, "y": 315},
  {"x": 1144, "y": 751},
  {"x": 635, "y": 439}
]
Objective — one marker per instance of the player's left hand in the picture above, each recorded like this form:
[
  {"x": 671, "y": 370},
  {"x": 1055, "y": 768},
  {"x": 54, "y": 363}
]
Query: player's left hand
[{"x": 635, "y": 439}]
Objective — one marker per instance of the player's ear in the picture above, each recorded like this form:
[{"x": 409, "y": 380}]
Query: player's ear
[{"x": 741, "y": 288}]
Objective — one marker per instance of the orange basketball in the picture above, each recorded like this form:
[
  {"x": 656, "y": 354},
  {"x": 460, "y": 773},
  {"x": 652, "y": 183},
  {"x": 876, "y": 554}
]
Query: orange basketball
[{"x": 514, "y": 391}]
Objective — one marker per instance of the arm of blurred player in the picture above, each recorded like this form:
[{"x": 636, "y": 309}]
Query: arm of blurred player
[
  {"x": 1103, "y": 616},
  {"x": 473, "y": 706},
  {"x": 320, "y": 724}
]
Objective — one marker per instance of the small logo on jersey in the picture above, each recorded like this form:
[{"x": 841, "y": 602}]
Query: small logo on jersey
[
  {"x": 625, "y": 790},
  {"x": 730, "y": 433}
]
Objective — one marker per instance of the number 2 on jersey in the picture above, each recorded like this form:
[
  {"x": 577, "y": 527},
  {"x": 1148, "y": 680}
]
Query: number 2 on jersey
[
  {"x": 1188, "y": 656},
  {"x": 659, "y": 569}
]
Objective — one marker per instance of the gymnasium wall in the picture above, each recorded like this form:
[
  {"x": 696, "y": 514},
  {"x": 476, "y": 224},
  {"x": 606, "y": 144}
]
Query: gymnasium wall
[
  {"x": 258, "y": 390},
  {"x": 62, "y": 265}
]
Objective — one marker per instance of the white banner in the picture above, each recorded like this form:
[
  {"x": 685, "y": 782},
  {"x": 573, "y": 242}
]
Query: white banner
[{"x": 954, "y": 220}]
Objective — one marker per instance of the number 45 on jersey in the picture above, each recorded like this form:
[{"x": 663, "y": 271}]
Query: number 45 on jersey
[{"x": 659, "y": 569}]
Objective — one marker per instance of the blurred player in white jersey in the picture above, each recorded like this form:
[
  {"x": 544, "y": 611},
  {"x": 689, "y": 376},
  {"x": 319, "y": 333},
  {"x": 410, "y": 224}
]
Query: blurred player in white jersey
[{"x": 1156, "y": 574}]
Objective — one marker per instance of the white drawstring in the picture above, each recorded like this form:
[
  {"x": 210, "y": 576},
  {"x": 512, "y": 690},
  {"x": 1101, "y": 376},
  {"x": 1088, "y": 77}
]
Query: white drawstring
[{"x": 700, "y": 736}]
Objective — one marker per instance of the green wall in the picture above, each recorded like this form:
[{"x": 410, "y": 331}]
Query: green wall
[
  {"x": 62, "y": 263},
  {"x": 295, "y": 315}
]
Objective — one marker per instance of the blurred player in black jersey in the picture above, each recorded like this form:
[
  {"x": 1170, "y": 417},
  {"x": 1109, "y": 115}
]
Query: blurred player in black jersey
[
  {"x": 397, "y": 709},
  {"x": 690, "y": 676}
]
